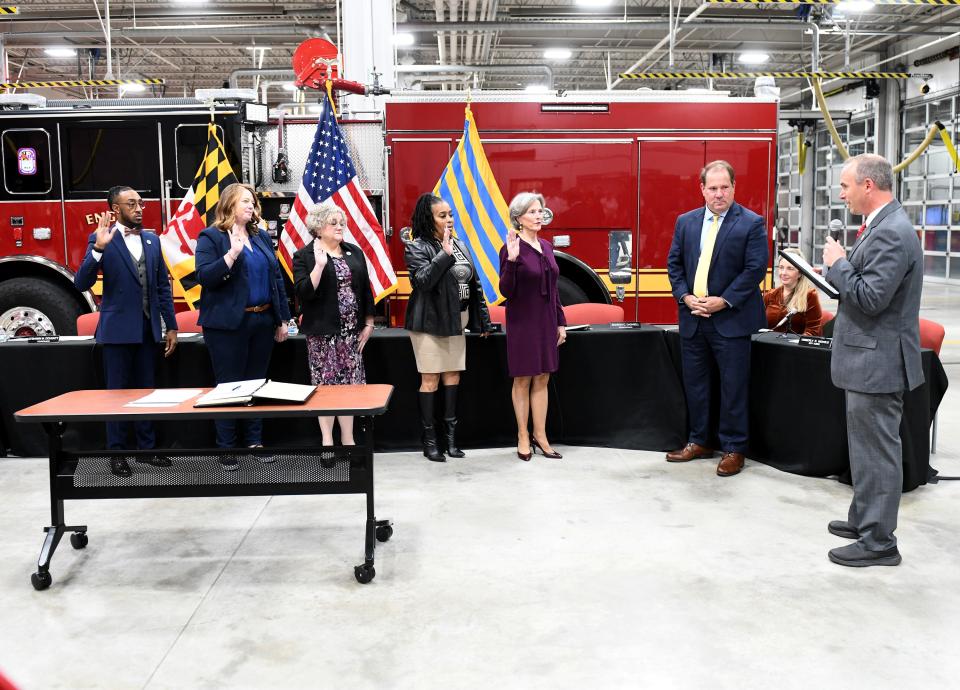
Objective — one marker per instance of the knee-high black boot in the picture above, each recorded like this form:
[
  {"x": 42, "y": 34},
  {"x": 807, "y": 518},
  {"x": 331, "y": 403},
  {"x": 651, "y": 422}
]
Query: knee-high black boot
[
  {"x": 450, "y": 419},
  {"x": 430, "y": 449}
]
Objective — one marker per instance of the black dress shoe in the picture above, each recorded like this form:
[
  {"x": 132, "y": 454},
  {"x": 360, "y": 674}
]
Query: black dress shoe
[
  {"x": 156, "y": 459},
  {"x": 120, "y": 467},
  {"x": 856, "y": 556},
  {"x": 842, "y": 528}
]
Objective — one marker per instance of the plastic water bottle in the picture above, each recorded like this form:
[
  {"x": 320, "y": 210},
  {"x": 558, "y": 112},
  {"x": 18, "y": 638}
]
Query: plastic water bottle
[{"x": 292, "y": 327}]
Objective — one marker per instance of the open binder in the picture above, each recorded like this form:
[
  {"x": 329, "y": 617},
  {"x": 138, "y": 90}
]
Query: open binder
[{"x": 249, "y": 392}]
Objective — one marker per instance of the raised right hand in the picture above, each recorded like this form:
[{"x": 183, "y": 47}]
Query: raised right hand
[
  {"x": 105, "y": 231},
  {"x": 513, "y": 246},
  {"x": 236, "y": 245},
  {"x": 445, "y": 242},
  {"x": 319, "y": 254}
]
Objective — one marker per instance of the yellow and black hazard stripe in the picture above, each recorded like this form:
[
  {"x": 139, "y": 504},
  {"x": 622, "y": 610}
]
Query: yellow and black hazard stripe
[
  {"x": 9, "y": 10},
  {"x": 78, "y": 82},
  {"x": 831, "y": 2},
  {"x": 778, "y": 75}
]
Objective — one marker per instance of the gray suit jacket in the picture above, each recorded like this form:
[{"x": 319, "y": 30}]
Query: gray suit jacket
[{"x": 876, "y": 339}]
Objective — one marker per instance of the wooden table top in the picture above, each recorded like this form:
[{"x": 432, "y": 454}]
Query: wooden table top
[{"x": 101, "y": 405}]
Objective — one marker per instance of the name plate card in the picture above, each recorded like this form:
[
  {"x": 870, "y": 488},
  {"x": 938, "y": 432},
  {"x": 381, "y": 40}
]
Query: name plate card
[{"x": 815, "y": 341}]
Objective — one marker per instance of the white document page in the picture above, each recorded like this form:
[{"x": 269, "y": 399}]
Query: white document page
[{"x": 165, "y": 397}]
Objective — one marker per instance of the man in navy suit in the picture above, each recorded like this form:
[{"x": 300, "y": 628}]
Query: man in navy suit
[
  {"x": 717, "y": 259},
  {"x": 136, "y": 294}
]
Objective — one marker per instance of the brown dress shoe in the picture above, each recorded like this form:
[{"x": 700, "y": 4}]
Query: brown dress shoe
[
  {"x": 730, "y": 464},
  {"x": 689, "y": 452}
]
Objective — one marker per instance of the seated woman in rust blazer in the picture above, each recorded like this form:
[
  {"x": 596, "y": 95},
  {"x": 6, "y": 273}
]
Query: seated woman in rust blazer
[{"x": 795, "y": 294}]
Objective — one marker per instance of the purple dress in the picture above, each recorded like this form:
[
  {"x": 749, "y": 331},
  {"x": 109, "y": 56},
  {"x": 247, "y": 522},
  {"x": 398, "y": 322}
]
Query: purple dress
[
  {"x": 335, "y": 360},
  {"x": 533, "y": 309}
]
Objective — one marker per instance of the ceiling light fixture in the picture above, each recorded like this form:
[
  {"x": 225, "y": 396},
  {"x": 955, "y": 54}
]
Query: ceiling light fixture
[
  {"x": 135, "y": 88},
  {"x": 593, "y": 3},
  {"x": 557, "y": 53},
  {"x": 537, "y": 88},
  {"x": 403, "y": 39},
  {"x": 854, "y": 6},
  {"x": 753, "y": 58},
  {"x": 60, "y": 52},
  {"x": 289, "y": 86}
]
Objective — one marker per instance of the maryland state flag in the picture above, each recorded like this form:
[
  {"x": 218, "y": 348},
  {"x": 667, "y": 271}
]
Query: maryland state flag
[{"x": 196, "y": 211}]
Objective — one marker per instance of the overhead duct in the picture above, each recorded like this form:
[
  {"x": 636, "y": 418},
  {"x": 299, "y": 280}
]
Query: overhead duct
[{"x": 466, "y": 69}]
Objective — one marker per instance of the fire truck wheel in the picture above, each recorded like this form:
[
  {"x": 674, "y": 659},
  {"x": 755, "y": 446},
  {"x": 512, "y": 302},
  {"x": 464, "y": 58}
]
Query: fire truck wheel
[
  {"x": 33, "y": 306},
  {"x": 570, "y": 292}
]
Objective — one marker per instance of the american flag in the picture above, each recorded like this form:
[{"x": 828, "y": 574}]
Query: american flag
[{"x": 329, "y": 175}]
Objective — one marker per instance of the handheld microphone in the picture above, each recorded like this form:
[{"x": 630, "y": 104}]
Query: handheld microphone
[
  {"x": 836, "y": 229},
  {"x": 790, "y": 315}
]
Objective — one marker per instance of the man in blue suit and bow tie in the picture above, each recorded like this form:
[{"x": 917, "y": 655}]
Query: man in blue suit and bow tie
[
  {"x": 717, "y": 259},
  {"x": 136, "y": 295}
]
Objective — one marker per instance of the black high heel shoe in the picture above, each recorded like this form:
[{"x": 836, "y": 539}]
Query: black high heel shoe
[
  {"x": 525, "y": 456},
  {"x": 535, "y": 446}
]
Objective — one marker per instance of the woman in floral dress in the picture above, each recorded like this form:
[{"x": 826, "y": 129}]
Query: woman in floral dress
[{"x": 333, "y": 289}]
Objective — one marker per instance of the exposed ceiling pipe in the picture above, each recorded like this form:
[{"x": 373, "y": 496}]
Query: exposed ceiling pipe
[
  {"x": 639, "y": 25},
  {"x": 454, "y": 16},
  {"x": 657, "y": 47},
  {"x": 467, "y": 69},
  {"x": 441, "y": 52},
  {"x": 166, "y": 32},
  {"x": 468, "y": 51},
  {"x": 233, "y": 79}
]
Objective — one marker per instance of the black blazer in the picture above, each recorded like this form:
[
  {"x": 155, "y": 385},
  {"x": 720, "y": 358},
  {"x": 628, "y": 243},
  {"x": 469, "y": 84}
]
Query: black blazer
[
  {"x": 321, "y": 312},
  {"x": 223, "y": 296},
  {"x": 434, "y": 305}
]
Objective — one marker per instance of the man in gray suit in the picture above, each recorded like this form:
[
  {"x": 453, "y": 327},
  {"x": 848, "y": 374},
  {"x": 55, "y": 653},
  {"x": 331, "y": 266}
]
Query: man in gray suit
[{"x": 876, "y": 354}]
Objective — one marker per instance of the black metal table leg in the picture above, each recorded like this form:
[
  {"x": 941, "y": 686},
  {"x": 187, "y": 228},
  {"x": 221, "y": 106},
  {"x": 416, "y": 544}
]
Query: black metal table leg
[
  {"x": 375, "y": 529},
  {"x": 42, "y": 579}
]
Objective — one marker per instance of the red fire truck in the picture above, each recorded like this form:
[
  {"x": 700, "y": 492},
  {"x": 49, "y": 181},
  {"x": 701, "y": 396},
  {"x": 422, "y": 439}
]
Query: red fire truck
[{"x": 616, "y": 169}]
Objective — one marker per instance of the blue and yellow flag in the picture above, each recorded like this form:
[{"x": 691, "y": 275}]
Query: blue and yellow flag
[{"x": 480, "y": 214}]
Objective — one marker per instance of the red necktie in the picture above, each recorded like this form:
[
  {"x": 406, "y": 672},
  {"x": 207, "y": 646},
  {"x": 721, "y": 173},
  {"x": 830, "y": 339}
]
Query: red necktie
[{"x": 863, "y": 229}]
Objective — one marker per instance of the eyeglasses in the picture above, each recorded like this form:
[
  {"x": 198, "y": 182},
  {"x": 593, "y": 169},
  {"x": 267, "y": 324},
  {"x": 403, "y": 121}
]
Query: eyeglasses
[{"x": 133, "y": 204}]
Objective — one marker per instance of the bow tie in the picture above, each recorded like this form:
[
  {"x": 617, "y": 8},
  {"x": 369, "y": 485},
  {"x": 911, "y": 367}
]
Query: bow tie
[{"x": 130, "y": 231}]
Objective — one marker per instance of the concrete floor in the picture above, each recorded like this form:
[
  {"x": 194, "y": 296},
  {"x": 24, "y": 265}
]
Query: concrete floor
[{"x": 608, "y": 569}]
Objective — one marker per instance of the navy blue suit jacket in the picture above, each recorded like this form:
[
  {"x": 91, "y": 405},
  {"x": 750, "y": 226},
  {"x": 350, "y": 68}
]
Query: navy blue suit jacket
[
  {"x": 223, "y": 294},
  {"x": 739, "y": 264},
  {"x": 121, "y": 309}
]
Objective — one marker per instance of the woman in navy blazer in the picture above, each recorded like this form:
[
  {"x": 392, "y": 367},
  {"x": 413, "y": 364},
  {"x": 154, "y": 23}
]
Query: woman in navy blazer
[{"x": 243, "y": 303}]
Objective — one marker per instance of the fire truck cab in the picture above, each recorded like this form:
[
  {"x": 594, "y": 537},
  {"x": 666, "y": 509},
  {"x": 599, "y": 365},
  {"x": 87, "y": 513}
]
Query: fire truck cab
[{"x": 58, "y": 161}]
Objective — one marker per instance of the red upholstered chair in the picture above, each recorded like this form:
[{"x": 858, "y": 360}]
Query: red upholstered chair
[
  {"x": 87, "y": 323},
  {"x": 592, "y": 313},
  {"x": 498, "y": 313},
  {"x": 931, "y": 337},
  {"x": 187, "y": 321},
  {"x": 826, "y": 317}
]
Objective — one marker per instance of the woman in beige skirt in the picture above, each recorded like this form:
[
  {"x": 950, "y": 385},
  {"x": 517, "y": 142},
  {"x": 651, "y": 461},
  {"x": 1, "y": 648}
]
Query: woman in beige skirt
[{"x": 446, "y": 297}]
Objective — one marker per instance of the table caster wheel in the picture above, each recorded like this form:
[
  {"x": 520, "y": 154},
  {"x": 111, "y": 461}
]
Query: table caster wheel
[
  {"x": 384, "y": 532},
  {"x": 41, "y": 581},
  {"x": 363, "y": 573},
  {"x": 79, "y": 540}
]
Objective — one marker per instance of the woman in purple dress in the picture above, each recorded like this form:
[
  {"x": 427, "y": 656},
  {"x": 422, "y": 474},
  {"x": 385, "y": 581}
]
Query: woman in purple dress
[
  {"x": 535, "y": 322},
  {"x": 333, "y": 289}
]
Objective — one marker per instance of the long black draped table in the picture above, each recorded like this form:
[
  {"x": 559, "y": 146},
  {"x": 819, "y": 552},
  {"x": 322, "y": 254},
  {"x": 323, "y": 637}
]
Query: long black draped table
[
  {"x": 797, "y": 416},
  {"x": 615, "y": 388}
]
